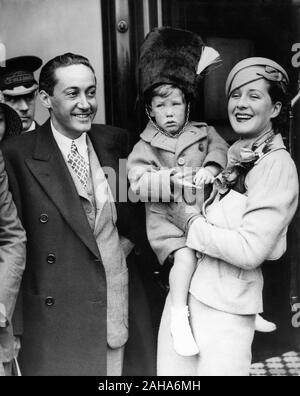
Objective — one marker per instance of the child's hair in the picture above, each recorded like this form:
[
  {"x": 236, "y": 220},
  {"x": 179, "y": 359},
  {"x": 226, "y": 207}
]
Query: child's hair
[{"x": 162, "y": 90}]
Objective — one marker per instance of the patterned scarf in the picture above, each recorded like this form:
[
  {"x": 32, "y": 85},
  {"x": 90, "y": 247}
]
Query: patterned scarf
[{"x": 242, "y": 156}]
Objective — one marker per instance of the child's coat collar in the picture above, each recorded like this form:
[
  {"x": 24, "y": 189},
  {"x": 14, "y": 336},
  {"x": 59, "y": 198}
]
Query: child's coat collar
[{"x": 194, "y": 131}]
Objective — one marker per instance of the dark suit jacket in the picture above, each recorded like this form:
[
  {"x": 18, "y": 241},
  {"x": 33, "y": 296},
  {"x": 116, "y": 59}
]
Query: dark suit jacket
[{"x": 63, "y": 300}]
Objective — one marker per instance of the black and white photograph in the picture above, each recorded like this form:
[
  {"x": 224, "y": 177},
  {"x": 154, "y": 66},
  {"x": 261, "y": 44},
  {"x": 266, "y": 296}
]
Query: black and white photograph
[{"x": 149, "y": 188}]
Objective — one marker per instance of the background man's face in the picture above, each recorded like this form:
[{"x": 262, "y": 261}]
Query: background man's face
[
  {"x": 24, "y": 105},
  {"x": 73, "y": 105}
]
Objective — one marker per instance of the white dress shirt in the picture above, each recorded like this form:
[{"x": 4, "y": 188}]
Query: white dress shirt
[
  {"x": 32, "y": 127},
  {"x": 64, "y": 143}
]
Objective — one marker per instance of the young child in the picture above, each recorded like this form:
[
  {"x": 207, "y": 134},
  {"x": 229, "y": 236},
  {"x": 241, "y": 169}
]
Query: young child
[{"x": 170, "y": 152}]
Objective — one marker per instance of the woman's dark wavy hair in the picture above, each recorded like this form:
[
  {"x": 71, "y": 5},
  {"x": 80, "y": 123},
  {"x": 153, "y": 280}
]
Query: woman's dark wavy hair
[{"x": 278, "y": 94}]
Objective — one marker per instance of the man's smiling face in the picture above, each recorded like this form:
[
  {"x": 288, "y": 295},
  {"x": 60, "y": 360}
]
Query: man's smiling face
[{"x": 73, "y": 104}]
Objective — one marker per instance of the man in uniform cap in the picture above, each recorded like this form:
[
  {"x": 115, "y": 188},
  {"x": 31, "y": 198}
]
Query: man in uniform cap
[{"x": 18, "y": 87}]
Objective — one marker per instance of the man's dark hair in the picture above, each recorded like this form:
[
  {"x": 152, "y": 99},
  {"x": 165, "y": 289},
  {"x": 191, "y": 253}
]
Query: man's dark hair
[{"x": 47, "y": 79}]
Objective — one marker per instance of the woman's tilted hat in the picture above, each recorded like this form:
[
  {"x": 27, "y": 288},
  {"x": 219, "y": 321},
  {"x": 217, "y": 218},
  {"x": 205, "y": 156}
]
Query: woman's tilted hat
[
  {"x": 173, "y": 56},
  {"x": 253, "y": 69},
  {"x": 13, "y": 123}
]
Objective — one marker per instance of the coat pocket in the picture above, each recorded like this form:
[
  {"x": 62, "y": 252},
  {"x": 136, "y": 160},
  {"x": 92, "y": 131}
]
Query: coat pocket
[{"x": 220, "y": 285}]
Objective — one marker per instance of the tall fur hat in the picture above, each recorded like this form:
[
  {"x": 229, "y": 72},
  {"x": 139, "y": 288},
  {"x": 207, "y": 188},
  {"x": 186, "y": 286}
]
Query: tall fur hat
[{"x": 171, "y": 56}]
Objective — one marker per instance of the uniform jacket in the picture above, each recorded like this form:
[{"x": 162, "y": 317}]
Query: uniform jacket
[
  {"x": 150, "y": 164},
  {"x": 64, "y": 304},
  {"x": 240, "y": 233},
  {"x": 12, "y": 261}
]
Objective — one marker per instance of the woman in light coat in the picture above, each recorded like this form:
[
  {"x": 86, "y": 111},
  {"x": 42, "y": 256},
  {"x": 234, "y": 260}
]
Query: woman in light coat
[{"x": 246, "y": 224}]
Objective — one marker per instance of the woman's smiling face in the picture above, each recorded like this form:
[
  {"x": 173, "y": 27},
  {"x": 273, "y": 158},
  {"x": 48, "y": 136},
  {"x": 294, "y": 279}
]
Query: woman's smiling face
[{"x": 251, "y": 110}]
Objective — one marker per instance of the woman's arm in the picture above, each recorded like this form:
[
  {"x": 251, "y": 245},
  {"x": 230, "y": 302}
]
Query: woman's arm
[{"x": 272, "y": 201}]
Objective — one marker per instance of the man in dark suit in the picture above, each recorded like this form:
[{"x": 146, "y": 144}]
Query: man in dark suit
[
  {"x": 64, "y": 177},
  {"x": 18, "y": 88}
]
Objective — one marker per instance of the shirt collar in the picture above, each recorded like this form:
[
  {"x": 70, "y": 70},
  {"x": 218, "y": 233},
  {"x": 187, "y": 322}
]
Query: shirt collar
[
  {"x": 32, "y": 127},
  {"x": 64, "y": 143},
  {"x": 150, "y": 132}
]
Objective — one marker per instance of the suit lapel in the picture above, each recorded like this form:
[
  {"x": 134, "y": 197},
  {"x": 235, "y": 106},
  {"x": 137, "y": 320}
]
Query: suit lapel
[
  {"x": 98, "y": 178},
  {"x": 49, "y": 168},
  {"x": 109, "y": 160},
  {"x": 108, "y": 151}
]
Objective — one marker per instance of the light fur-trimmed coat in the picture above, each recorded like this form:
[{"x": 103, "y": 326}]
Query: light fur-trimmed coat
[{"x": 150, "y": 165}]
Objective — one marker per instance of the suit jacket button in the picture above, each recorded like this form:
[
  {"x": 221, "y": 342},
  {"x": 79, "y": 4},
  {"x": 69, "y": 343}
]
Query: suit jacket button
[
  {"x": 49, "y": 301},
  {"x": 51, "y": 258},
  {"x": 44, "y": 218},
  {"x": 181, "y": 161}
]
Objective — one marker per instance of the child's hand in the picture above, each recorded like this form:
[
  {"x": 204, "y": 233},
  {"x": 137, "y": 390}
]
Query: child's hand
[
  {"x": 179, "y": 177},
  {"x": 203, "y": 176}
]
